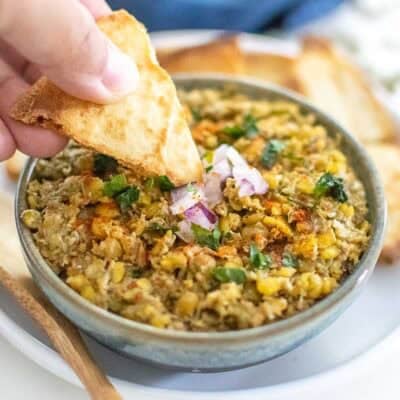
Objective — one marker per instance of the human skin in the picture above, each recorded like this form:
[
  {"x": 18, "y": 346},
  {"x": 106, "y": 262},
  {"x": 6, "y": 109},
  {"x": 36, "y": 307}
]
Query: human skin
[{"x": 58, "y": 39}]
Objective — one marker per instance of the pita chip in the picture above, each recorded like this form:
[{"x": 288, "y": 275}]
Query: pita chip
[{"x": 145, "y": 131}]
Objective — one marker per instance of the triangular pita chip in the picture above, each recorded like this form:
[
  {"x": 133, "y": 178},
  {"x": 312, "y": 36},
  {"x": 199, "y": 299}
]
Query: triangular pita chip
[
  {"x": 222, "y": 55},
  {"x": 146, "y": 130}
]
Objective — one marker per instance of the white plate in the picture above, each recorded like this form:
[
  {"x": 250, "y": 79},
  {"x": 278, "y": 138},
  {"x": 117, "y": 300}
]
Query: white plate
[{"x": 364, "y": 335}]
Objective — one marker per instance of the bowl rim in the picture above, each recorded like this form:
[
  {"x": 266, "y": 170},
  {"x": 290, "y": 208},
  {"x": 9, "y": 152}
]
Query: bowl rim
[{"x": 355, "y": 280}]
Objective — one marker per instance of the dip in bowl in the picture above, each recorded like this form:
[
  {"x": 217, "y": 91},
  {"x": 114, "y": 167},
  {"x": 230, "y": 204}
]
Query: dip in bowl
[{"x": 261, "y": 256}]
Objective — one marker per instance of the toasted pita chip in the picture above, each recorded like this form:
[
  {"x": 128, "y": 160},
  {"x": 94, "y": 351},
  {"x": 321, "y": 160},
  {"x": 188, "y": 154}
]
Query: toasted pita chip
[
  {"x": 146, "y": 130},
  {"x": 270, "y": 67},
  {"x": 222, "y": 55},
  {"x": 336, "y": 85},
  {"x": 386, "y": 157},
  {"x": 15, "y": 164}
]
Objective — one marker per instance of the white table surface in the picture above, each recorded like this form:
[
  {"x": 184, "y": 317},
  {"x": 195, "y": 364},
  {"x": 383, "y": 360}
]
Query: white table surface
[{"x": 21, "y": 379}]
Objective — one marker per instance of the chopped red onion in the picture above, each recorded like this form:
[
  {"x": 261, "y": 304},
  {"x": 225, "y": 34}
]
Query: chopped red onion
[
  {"x": 223, "y": 169},
  {"x": 212, "y": 188},
  {"x": 185, "y": 231},
  {"x": 249, "y": 180},
  {"x": 185, "y": 197},
  {"x": 220, "y": 153},
  {"x": 202, "y": 216}
]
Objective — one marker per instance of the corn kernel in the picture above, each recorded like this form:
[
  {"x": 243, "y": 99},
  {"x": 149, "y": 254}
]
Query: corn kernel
[
  {"x": 88, "y": 293},
  {"x": 211, "y": 142},
  {"x": 31, "y": 218},
  {"x": 226, "y": 251},
  {"x": 224, "y": 224},
  {"x": 269, "y": 286},
  {"x": 77, "y": 282},
  {"x": 160, "y": 320},
  {"x": 337, "y": 155},
  {"x": 186, "y": 304},
  {"x": 144, "y": 284},
  {"x": 252, "y": 219},
  {"x": 326, "y": 239},
  {"x": 306, "y": 247},
  {"x": 93, "y": 187},
  {"x": 107, "y": 210},
  {"x": 305, "y": 185},
  {"x": 144, "y": 199},
  {"x": 285, "y": 272},
  {"x": 311, "y": 284},
  {"x": 95, "y": 269},
  {"x": 276, "y": 209},
  {"x": 347, "y": 209},
  {"x": 334, "y": 167},
  {"x": 173, "y": 260},
  {"x": 271, "y": 179},
  {"x": 329, "y": 253},
  {"x": 153, "y": 209},
  {"x": 328, "y": 285},
  {"x": 97, "y": 227},
  {"x": 117, "y": 271},
  {"x": 278, "y": 223}
]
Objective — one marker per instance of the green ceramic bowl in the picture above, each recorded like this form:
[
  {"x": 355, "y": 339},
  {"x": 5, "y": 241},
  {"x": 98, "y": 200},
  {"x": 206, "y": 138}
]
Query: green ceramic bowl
[{"x": 216, "y": 351}]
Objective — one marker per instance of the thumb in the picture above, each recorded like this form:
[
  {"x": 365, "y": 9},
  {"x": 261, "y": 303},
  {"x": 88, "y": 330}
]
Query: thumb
[{"x": 63, "y": 40}]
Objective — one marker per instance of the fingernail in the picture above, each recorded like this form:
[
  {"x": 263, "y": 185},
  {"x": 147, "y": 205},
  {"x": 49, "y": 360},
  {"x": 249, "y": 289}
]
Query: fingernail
[{"x": 120, "y": 75}]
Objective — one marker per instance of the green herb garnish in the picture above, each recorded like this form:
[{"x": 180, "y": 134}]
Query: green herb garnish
[
  {"x": 329, "y": 185},
  {"x": 127, "y": 197},
  {"x": 103, "y": 164},
  {"x": 207, "y": 238},
  {"x": 124, "y": 194},
  {"x": 165, "y": 184},
  {"x": 248, "y": 128},
  {"x": 209, "y": 168},
  {"x": 271, "y": 152},
  {"x": 115, "y": 185},
  {"x": 259, "y": 260},
  {"x": 224, "y": 275},
  {"x": 289, "y": 260},
  {"x": 196, "y": 115}
]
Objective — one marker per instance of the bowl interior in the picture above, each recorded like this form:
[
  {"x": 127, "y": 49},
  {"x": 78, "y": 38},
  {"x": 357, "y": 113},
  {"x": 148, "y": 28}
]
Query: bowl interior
[{"x": 359, "y": 160}]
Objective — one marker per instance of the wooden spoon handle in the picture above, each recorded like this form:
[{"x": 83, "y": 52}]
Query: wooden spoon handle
[{"x": 65, "y": 337}]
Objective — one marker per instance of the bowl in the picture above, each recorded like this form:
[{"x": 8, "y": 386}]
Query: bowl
[{"x": 216, "y": 351}]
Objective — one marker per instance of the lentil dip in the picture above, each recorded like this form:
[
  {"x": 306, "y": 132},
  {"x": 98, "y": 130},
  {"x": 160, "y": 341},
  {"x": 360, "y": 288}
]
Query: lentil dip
[{"x": 279, "y": 221}]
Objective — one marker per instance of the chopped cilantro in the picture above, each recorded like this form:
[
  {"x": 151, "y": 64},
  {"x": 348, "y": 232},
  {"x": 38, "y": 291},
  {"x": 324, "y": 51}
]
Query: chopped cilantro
[
  {"x": 259, "y": 260},
  {"x": 103, "y": 164},
  {"x": 289, "y": 260},
  {"x": 127, "y": 197},
  {"x": 271, "y": 152},
  {"x": 196, "y": 115},
  {"x": 329, "y": 185},
  {"x": 118, "y": 188},
  {"x": 115, "y": 185},
  {"x": 209, "y": 168},
  {"x": 165, "y": 184},
  {"x": 207, "y": 238},
  {"x": 247, "y": 128},
  {"x": 224, "y": 275}
]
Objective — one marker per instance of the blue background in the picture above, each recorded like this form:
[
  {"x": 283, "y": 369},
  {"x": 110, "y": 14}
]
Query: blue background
[{"x": 243, "y": 15}]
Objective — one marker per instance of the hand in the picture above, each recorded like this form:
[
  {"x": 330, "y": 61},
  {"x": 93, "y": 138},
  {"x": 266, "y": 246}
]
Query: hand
[{"x": 59, "y": 39}]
